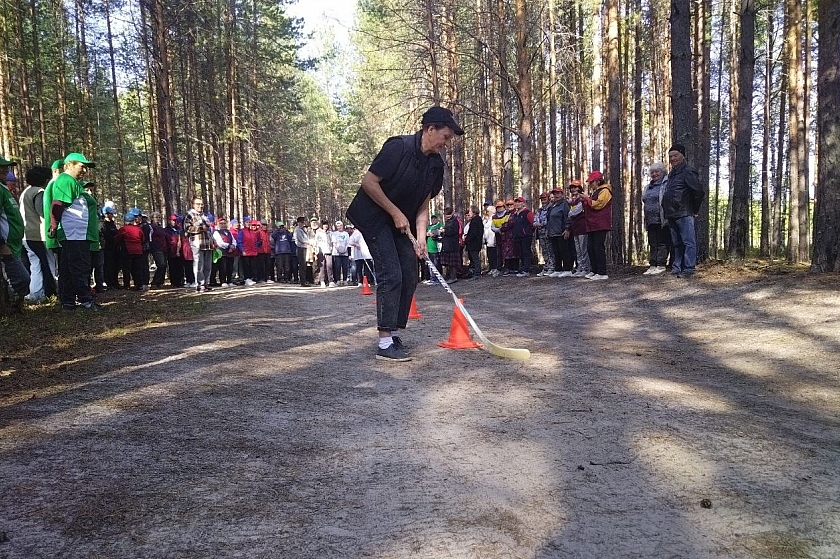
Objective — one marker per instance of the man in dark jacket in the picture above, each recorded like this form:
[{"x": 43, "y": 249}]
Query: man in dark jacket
[
  {"x": 558, "y": 230},
  {"x": 473, "y": 240},
  {"x": 523, "y": 235},
  {"x": 393, "y": 200},
  {"x": 281, "y": 239},
  {"x": 681, "y": 204}
]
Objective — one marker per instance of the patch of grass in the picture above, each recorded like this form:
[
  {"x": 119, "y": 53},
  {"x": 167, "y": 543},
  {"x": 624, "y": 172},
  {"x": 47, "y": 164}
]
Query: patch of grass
[{"x": 44, "y": 336}]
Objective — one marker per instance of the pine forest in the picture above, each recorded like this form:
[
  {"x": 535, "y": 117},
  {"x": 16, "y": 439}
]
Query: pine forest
[{"x": 218, "y": 98}]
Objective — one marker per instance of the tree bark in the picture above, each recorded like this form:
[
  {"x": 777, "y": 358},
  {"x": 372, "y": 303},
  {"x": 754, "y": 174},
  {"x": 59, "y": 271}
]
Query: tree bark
[
  {"x": 740, "y": 218},
  {"x": 797, "y": 140},
  {"x": 117, "y": 117},
  {"x": 615, "y": 137},
  {"x": 826, "y": 254}
]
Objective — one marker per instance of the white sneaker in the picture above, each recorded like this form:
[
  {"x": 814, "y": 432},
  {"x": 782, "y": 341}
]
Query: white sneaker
[
  {"x": 332, "y": 284},
  {"x": 323, "y": 284},
  {"x": 649, "y": 271},
  {"x": 523, "y": 275},
  {"x": 225, "y": 285},
  {"x": 250, "y": 282},
  {"x": 589, "y": 275},
  {"x": 658, "y": 270},
  {"x": 269, "y": 281},
  {"x": 565, "y": 274},
  {"x": 596, "y": 277},
  {"x": 192, "y": 285}
]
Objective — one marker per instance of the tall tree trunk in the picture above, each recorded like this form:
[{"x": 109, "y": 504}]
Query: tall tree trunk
[
  {"x": 552, "y": 90},
  {"x": 525, "y": 97},
  {"x": 597, "y": 92},
  {"x": 505, "y": 112},
  {"x": 739, "y": 229},
  {"x": 453, "y": 91},
  {"x": 231, "y": 117},
  {"x": 826, "y": 256},
  {"x": 60, "y": 17},
  {"x": 732, "y": 40},
  {"x": 636, "y": 219},
  {"x": 702, "y": 76},
  {"x": 83, "y": 75},
  {"x": 116, "y": 101},
  {"x": 162, "y": 78},
  {"x": 777, "y": 238},
  {"x": 24, "y": 99},
  {"x": 797, "y": 141},
  {"x": 39, "y": 81},
  {"x": 615, "y": 139},
  {"x": 718, "y": 144},
  {"x": 682, "y": 95},
  {"x": 764, "y": 243}
]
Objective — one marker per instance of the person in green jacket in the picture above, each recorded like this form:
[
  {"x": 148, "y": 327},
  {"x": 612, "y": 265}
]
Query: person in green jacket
[
  {"x": 11, "y": 242},
  {"x": 433, "y": 233}
]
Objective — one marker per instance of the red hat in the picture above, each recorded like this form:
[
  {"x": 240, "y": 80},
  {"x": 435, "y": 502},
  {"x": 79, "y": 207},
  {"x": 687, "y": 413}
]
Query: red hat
[
  {"x": 544, "y": 195},
  {"x": 255, "y": 222},
  {"x": 509, "y": 203},
  {"x": 575, "y": 183},
  {"x": 594, "y": 176},
  {"x": 557, "y": 190},
  {"x": 173, "y": 217},
  {"x": 520, "y": 199}
]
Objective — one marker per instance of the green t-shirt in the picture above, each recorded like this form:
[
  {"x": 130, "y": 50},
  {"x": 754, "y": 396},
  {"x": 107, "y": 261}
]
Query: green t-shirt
[
  {"x": 11, "y": 222},
  {"x": 74, "y": 221},
  {"x": 432, "y": 245}
]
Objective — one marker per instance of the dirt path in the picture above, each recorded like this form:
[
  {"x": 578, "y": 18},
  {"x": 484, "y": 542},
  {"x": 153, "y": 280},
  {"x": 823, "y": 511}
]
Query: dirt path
[{"x": 266, "y": 429}]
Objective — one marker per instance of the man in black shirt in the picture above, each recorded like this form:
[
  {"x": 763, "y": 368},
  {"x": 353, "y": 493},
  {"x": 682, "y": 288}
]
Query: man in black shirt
[{"x": 394, "y": 199}]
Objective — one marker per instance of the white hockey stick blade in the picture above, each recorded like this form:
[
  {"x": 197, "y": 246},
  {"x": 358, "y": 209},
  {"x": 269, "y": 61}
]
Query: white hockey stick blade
[
  {"x": 507, "y": 352},
  {"x": 494, "y": 349}
]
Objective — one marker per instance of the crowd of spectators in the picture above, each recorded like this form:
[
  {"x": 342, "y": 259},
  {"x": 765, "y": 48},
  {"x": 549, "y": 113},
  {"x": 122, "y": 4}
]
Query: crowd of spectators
[{"x": 56, "y": 239}]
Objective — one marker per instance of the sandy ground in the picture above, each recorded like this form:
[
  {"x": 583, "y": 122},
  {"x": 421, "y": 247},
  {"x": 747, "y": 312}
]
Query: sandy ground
[{"x": 265, "y": 428}]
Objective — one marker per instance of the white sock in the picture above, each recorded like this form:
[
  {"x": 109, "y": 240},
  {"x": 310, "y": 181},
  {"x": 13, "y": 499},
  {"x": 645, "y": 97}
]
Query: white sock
[
  {"x": 394, "y": 333},
  {"x": 385, "y": 343}
]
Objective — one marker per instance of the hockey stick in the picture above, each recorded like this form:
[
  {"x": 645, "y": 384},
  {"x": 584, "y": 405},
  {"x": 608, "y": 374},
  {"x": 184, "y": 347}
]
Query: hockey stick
[{"x": 508, "y": 352}]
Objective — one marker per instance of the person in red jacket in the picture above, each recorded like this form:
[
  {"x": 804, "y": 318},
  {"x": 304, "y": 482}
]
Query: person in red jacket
[
  {"x": 130, "y": 239},
  {"x": 250, "y": 249},
  {"x": 597, "y": 212}
]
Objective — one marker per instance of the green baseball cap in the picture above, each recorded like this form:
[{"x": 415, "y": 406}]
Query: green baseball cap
[
  {"x": 57, "y": 164},
  {"x": 6, "y": 163},
  {"x": 81, "y": 159}
]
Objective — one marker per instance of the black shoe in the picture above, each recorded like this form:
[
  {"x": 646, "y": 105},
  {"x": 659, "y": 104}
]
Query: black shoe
[
  {"x": 91, "y": 306},
  {"x": 400, "y": 345},
  {"x": 68, "y": 307},
  {"x": 393, "y": 353}
]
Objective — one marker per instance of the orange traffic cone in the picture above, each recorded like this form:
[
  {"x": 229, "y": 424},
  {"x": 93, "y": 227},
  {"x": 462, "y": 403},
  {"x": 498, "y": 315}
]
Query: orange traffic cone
[
  {"x": 412, "y": 311},
  {"x": 366, "y": 290},
  {"x": 459, "y": 332}
]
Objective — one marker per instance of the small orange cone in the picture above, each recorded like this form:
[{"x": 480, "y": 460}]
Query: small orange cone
[
  {"x": 459, "y": 332},
  {"x": 366, "y": 290},
  {"x": 412, "y": 311}
]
